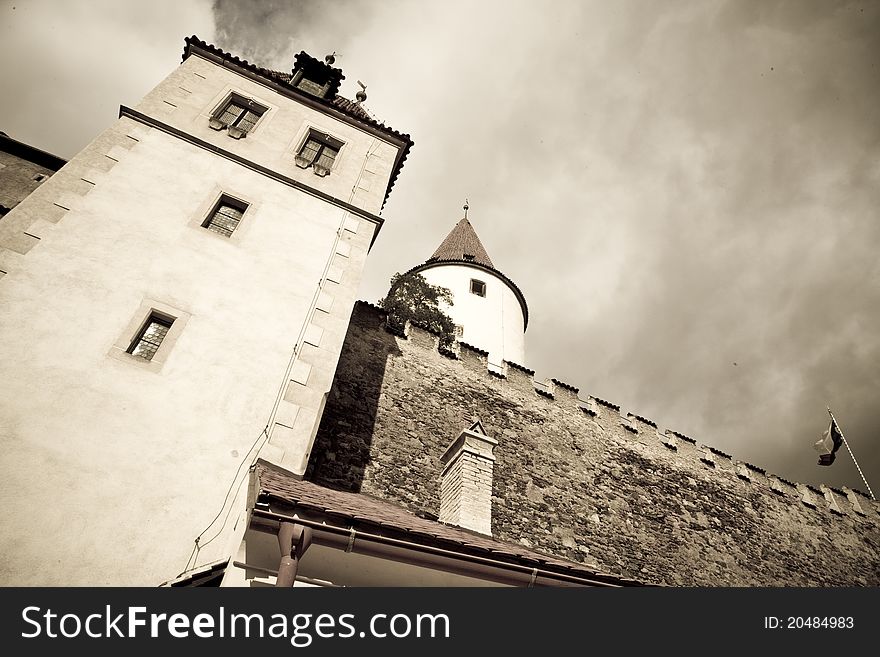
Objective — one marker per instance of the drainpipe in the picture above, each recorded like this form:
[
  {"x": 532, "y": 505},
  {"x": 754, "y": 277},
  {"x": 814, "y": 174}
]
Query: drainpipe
[{"x": 293, "y": 539}]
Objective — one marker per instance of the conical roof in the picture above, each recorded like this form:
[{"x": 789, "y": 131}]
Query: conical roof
[{"x": 462, "y": 244}]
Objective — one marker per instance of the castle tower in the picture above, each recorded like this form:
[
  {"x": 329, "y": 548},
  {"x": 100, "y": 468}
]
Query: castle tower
[
  {"x": 173, "y": 303},
  {"x": 489, "y": 310}
]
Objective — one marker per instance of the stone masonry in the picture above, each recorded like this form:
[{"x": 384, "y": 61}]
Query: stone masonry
[{"x": 575, "y": 478}]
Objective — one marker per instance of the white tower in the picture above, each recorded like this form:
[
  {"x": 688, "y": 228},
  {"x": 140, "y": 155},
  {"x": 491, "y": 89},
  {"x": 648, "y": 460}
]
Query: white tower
[
  {"x": 173, "y": 303},
  {"x": 489, "y": 310}
]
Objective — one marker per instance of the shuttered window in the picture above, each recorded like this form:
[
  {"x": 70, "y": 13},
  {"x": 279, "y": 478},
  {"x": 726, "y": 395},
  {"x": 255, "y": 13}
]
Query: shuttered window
[
  {"x": 239, "y": 114},
  {"x": 319, "y": 151}
]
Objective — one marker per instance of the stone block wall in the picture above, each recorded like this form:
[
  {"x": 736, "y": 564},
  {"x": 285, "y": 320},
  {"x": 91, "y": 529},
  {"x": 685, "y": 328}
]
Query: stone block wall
[
  {"x": 575, "y": 478},
  {"x": 18, "y": 178}
]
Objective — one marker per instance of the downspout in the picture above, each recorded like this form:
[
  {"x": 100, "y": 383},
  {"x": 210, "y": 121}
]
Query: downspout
[{"x": 293, "y": 539}]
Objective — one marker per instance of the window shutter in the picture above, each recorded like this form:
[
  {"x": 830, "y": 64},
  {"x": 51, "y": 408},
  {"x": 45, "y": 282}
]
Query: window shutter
[
  {"x": 229, "y": 114},
  {"x": 308, "y": 153},
  {"x": 248, "y": 121},
  {"x": 328, "y": 155}
]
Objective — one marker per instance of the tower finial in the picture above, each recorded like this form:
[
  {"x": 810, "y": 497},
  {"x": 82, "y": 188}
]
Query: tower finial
[
  {"x": 465, "y": 208},
  {"x": 330, "y": 59}
]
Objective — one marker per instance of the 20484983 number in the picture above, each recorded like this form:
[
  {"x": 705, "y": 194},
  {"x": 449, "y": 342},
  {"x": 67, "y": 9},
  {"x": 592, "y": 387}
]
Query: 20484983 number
[{"x": 819, "y": 622}]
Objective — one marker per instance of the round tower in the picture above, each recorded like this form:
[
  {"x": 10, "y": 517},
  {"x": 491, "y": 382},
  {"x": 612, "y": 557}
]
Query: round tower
[{"x": 488, "y": 309}]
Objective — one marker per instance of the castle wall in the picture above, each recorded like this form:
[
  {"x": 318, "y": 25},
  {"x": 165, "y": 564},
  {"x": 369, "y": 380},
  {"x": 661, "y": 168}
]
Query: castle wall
[
  {"x": 575, "y": 478},
  {"x": 18, "y": 178}
]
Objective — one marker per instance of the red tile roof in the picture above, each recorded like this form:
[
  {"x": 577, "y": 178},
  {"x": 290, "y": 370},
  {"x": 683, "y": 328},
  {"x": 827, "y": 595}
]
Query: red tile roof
[
  {"x": 382, "y": 516},
  {"x": 462, "y": 243}
]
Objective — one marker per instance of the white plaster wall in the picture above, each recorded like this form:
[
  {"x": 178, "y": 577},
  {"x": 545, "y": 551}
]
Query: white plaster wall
[
  {"x": 494, "y": 323},
  {"x": 110, "y": 470},
  {"x": 187, "y": 98}
]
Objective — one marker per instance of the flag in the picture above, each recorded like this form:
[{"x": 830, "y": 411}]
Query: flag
[{"x": 829, "y": 443}]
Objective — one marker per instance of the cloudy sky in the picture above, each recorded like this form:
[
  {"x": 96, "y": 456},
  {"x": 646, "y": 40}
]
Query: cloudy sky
[{"x": 687, "y": 193}]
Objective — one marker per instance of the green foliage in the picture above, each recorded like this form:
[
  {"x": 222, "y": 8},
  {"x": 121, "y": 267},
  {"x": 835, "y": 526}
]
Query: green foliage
[{"x": 412, "y": 298}]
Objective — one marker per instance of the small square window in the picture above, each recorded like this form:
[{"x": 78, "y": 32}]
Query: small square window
[
  {"x": 478, "y": 287},
  {"x": 225, "y": 216},
  {"x": 40, "y": 177},
  {"x": 238, "y": 115},
  {"x": 150, "y": 337},
  {"x": 319, "y": 151},
  {"x": 312, "y": 87}
]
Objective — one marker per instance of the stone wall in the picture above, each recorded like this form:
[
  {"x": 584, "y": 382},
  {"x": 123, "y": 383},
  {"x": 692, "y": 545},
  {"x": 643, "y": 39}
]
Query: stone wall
[
  {"x": 18, "y": 178},
  {"x": 575, "y": 478}
]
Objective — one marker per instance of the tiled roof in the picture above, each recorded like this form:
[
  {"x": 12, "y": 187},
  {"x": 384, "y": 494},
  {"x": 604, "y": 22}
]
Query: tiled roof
[
  {"x": 351, "y": 107},
  {"x": 340, "y": 102},
  {"x": 347, "y": 107},
  {"x": 462, "y": 243},
  {"x": 384, "y": 517}
]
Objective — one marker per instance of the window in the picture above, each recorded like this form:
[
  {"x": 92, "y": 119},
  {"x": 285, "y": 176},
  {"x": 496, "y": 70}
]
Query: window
[
  {"x": 478, "y": 287},
  {"x": 40, "y": 177},
  {"x": 316, "y": 78},
  {"x": 311, "y": 87},
  {"x": 238, "y": 115},
  {"x": 150, "y": 337},
  {"x": 225, "y": 216},
  {"x": 319, "y": 151}
]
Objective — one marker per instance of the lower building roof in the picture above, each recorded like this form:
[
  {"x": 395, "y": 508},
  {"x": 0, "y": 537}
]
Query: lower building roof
[{"x": 382, "y": 517}]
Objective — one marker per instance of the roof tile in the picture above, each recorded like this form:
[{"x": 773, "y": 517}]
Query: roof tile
[{"x": 462, "y": 243}]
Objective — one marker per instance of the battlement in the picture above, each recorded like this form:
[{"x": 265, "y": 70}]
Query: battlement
[
  {"x": 559, "y": 383},
  {"x": 519, "y": 368},
  {"x": 641, "y": 430}
]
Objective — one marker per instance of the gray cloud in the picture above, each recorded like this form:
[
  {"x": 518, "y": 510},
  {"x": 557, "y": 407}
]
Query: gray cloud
[{"x": 69, "y": 65}]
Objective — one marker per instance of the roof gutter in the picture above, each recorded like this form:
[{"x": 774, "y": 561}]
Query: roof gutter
[{"x": 368, "y": 544}]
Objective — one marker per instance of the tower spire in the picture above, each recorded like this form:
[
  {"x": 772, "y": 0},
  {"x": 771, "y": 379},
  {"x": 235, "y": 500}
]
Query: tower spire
[{"x": 462, "y": 244}]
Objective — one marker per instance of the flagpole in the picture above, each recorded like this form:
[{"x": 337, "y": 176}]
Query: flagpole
[{"x": 846, "y": 444}]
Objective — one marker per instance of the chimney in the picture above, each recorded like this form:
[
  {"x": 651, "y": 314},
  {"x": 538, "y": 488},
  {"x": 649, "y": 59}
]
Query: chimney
[{"x": 466, "y": 481}]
